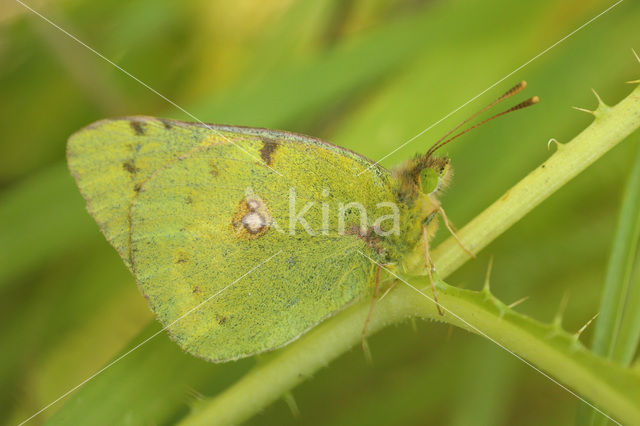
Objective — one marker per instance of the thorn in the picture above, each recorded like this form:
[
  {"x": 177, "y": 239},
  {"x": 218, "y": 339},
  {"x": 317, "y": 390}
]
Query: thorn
[
  {"x": 599, "y": 111},
  {"x": 517, "y": 302},
  {"x": 597, "y": 96},
  {"x": 293, "y": 406},
  {"x": 414, "y": 325},
  {"x": 638, "y": 59},
  {"x": 487, "y": 287},
  {"x": 584, "y": 327},
  {"x": 554, "y": 140},
  {"x": 602, "y": 107},
  {"x": 588, "y": 111},
  {"x": 557, "y": 321}
]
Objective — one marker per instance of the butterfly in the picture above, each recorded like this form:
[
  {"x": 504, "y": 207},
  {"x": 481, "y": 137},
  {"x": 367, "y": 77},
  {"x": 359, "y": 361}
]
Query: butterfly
[{"x": 242, "y": 239}]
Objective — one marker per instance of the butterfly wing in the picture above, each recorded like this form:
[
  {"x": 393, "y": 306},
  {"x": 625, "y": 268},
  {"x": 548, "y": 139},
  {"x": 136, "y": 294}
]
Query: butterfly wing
[
  {"x": 111, "y": 158},
  {"x": 234, "y": 258}
]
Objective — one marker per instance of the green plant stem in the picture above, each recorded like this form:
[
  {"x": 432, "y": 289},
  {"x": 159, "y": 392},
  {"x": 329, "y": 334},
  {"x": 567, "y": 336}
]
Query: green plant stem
[
  {"x": 605, "y": 384},
  {"x": 551, "y": 348}
]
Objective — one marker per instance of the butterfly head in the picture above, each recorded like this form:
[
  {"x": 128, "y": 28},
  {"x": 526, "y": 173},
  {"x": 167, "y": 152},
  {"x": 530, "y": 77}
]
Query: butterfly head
[
  {"x": 423, "y": 177},
  {"x": 435, "y": 175}
]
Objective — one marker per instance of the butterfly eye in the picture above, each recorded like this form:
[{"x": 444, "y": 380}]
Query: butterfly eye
[{"x": 428, "y": 180}]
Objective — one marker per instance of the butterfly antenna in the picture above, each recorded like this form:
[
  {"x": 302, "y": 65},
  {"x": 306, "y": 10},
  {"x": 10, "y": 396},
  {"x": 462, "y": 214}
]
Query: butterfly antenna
[
  {"x": 514, "y": 90},
  {"x": 529, "y": 102}
]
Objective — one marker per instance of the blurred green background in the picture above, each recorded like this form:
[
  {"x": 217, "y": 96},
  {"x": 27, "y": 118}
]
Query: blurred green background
[{"x": 365, "y": 74}]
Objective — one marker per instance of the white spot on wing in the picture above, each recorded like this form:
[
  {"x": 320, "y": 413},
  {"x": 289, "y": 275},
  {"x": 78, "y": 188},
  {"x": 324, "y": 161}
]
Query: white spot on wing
[{"x": 254, "y": 222}]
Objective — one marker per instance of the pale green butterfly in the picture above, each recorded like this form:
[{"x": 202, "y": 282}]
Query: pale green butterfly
[{"x": 202, "y": 215}]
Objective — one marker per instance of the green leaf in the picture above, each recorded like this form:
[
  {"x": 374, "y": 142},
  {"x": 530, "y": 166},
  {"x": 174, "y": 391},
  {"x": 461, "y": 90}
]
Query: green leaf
[
  {"x": 618, "y": 326},
  {"x": 616, "y": 287}
]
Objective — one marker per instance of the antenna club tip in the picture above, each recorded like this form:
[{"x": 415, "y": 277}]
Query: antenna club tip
[
  {"x": 515, "y": 89},
  {"x": 531, "y": 101}
]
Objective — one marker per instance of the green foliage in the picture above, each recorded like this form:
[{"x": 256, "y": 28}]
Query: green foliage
[
  {"x": 617, "y": 307},
  {"x": 367, "y": 75},
  {"x": 618, "y": 330}
]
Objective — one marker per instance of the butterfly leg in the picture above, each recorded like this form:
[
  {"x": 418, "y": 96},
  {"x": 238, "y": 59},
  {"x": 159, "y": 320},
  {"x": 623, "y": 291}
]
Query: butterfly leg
[
  {"x": 363, "y": 342},
  {"x": 429, "y": 264},
  {"x": 452, "y": 231}
]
